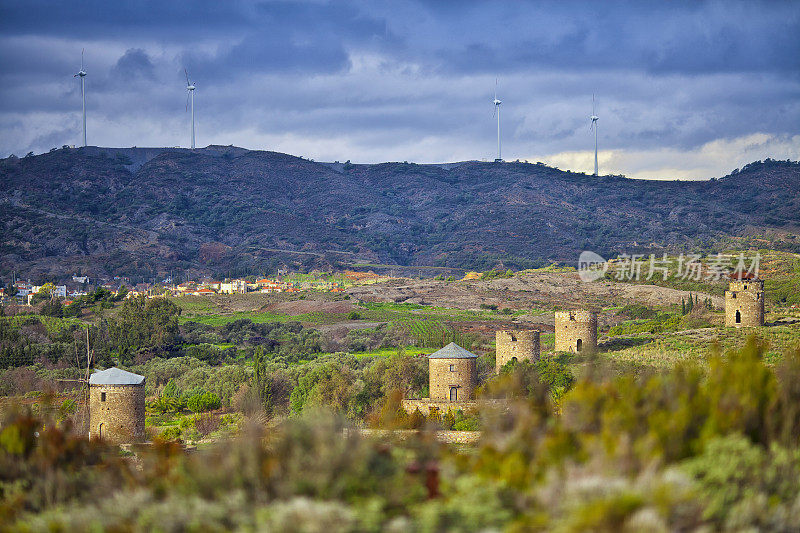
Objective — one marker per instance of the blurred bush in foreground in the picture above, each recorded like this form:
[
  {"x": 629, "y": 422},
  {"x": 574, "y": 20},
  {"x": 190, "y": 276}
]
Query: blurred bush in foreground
[{"x": 710, "y": 447}]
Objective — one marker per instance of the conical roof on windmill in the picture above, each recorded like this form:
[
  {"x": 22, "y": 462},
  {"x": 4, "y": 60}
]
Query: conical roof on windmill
[
  {"x": 115, "y": 376},
  {"x": 452, "y": 351}
]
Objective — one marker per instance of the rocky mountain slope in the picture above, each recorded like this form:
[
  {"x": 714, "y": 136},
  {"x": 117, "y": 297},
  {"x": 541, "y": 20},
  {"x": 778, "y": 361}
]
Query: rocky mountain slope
[{"x": 227, "y": 210}]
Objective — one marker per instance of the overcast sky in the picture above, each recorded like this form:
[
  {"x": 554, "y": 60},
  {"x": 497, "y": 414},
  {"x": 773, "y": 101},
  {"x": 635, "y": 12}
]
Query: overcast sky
[{"x": 683, "y": 89}]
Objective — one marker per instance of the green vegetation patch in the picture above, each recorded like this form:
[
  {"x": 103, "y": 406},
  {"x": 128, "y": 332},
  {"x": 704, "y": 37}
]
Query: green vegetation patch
[{"x": 667, "y": 350}]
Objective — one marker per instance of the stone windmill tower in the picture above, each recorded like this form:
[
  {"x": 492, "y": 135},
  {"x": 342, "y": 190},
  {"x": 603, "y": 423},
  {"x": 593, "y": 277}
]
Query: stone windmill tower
[
  {"x": 744, "y": 303},
  {"x": 452, "y": 374},
  {"x": 515, "y": 345},
  {"x": 576, "y": 331},
  {"x": 116, "y": 406}
]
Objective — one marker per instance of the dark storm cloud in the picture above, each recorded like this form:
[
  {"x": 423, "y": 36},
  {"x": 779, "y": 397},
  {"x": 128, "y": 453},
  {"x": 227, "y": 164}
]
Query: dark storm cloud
[
  {"x": 687, "y": 37},
  {"x": 135, "y": 63},
  {"x": 299, "y": 37},
  {"x": 691, "y": 37},
  {"x": 102, "y": 19},
  {"x": 383, "y": 75}
]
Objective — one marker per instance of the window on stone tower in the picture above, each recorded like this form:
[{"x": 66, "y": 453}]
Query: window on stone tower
[
  {"x": 453, "y": 394},
  {"x": 579, "y": 345},
  {"x": 452, "y": 368},
  {"x": 738, "y": 317},
  {"x": 733, "y": 295},
  {"x": 102, "y": 396}
]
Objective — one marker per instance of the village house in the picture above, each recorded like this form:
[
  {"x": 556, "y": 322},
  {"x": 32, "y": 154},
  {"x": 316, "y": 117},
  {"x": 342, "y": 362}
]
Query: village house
[
  {"x": 269, "y": 285},
  {"x": 186, "y": 287},
  {"x": 205, "y": 292},
  {"x": 210, "y": 284},
  {"x": 234, "y": 286}
]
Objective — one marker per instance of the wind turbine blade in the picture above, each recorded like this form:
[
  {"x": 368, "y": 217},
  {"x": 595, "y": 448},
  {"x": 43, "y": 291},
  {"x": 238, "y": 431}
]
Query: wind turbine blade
[
  {"x": 187, "y": 76},
  {"x": 187, "y": 100},
  {"x": 82, "y": 50}
]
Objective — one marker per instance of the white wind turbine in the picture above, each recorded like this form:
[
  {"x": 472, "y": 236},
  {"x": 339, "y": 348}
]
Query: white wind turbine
[
  {"x": 190, "y": 100},
  {"x": 82, "y": 74},
  {"x": 593, "y": 126},
  {"x": 497, "y": 103}
]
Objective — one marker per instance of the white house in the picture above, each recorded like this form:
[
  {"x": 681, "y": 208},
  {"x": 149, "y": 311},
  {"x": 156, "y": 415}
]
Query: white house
[{"x": 234, "y": 286}]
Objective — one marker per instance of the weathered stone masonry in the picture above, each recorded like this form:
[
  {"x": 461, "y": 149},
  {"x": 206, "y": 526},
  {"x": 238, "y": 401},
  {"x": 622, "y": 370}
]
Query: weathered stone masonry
[
  {"x": 576, "y": 331},
  {"x": 448, "y": 374},
  {"x": 116, "y": 407},
  {"x": 744, "y": 303},
  {"x": 516, "y": 344},
  {"x": 452, "y": 377}
]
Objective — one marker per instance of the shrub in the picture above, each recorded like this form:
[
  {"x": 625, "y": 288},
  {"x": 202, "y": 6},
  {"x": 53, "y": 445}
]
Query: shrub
[
  {"x": 170, "y": 390},
  {"x": 206, "y": 401},
  {"x": 52, "y": 307},
  {"x": 171, "y": 433},
  {"x": 465, "y": 423},
  {"x": 164, "y": 404},
  {"x": 753, "y": 488},
  {"x": 206, "y": 423},
  {"x": 353, "y": 315},
  {"x": 638, "y": 311}
]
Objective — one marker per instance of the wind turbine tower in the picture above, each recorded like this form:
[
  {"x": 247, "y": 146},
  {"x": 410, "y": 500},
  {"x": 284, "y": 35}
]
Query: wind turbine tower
[
  {"x": 82, "y": 75},
  {"x": 593, "y": 126},
  {"x": 497, "y": 112},
  {"x": 190, "y": 101}
]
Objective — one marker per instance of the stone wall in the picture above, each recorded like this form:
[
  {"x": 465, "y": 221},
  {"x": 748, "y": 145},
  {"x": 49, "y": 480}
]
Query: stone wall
[
  {"x": 449, "y": 437},
  {"x": 446, "y": 373},
  {"x": 745, "y": 297},
  {"x": 120, "y": 418},
  {"x": 573, "y": 326},
  {"x": 516, "y": 344},
  {"x": 425, "y": 406}
]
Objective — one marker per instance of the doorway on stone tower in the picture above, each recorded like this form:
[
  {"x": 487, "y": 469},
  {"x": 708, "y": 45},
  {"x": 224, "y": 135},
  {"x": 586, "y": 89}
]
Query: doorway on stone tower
[
  {"x": 453, "y": 394},
  {"x": 100, "y": 431},
  {"x": 738, "y": 317},
  {"x": 578, "y": 345}
]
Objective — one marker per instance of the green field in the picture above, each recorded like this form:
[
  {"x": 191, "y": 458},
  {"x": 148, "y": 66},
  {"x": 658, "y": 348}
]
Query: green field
[
  {"x": 261, "y": 317},
  {"x": 389, "y": 351},
  {"x": 665, "y": 350},
  {"x": 53, "y": 325}
]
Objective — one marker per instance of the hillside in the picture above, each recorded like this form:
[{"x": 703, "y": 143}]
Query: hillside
[{"x": 227, "y": 210}]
